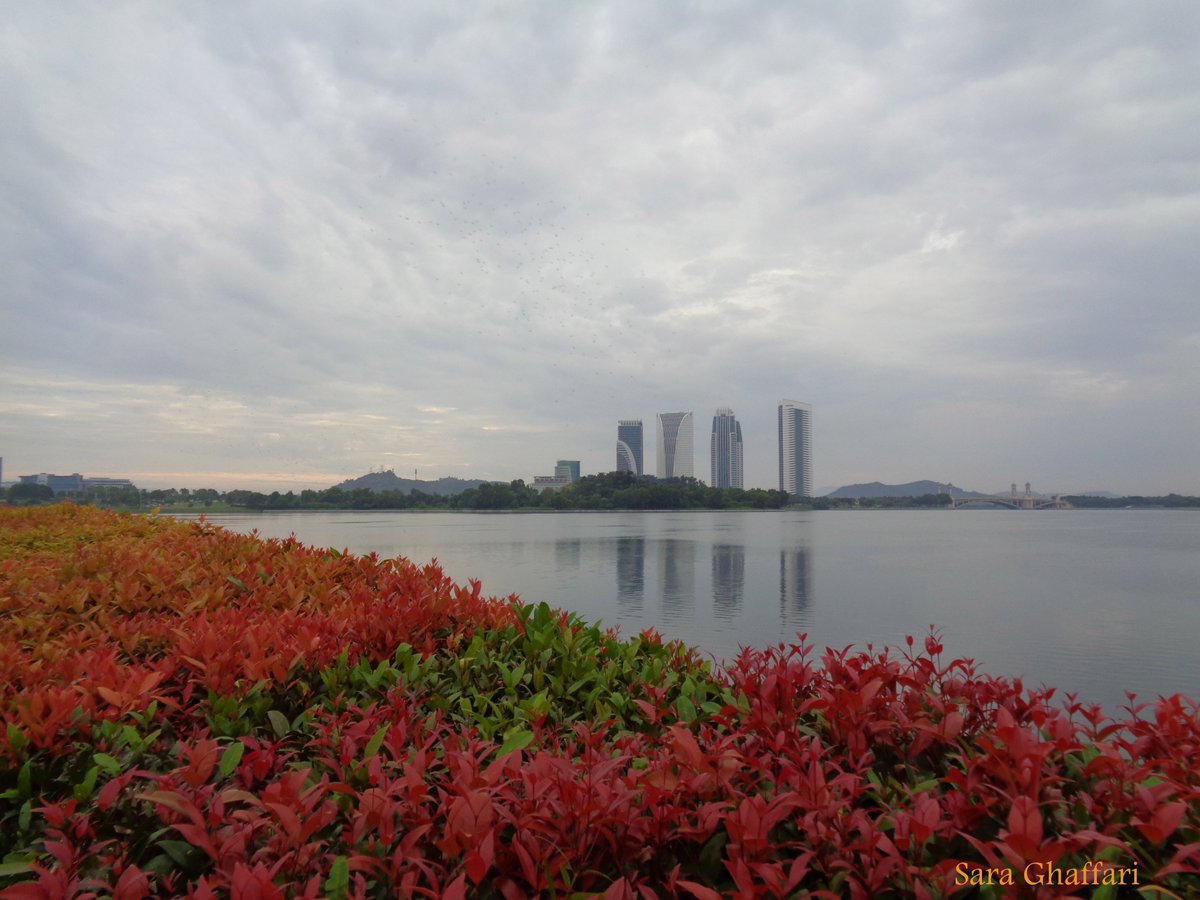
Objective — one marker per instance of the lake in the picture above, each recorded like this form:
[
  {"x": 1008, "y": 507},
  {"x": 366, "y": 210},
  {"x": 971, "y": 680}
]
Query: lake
[{"x": 1092, "y": 601}]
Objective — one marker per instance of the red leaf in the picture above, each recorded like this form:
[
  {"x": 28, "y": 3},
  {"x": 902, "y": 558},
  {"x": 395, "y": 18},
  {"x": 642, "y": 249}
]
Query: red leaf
[
  {"x": 699, "y": 891},
  {"x": 287, "y": 818},
  {"x": 470, "y": 815},
  {"x": 202, "y": 759},
  {"x": 476, "y": 867},
  {"x": 686, "y": 749},
  {"x": 26, "y": 890},
  {"x": 457, "y": 889},
  {"x": 197, "y": 837},
  {"x": 132, "y": 885},
  {"x": 176, "y": 802},
  {"x": 528, "y": 867},
  {"x": 1025, "y": 827},
  {"x": 1166, "y": 820}
]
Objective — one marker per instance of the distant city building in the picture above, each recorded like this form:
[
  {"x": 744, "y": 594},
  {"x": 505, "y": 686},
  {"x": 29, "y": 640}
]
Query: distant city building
[
  {"x": 74, "y": 483},
  {"x": 103, "y": 483},
  {"x": 725, "y": 448},
  {"x": 60, "y": 484},
  {"x": 567, "y": 468},
  {"x": 795, "y": 448},
  {"x": 566, "y": 472},
  {"x": 551, "y": 482},
  {"x": 675, "y": 445},
  {"x": 629, "y": 446}
]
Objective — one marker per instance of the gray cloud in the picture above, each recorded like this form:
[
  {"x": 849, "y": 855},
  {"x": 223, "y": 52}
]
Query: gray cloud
[{"x": 292, "y": 241}]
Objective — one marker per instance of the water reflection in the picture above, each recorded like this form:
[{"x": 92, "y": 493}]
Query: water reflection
[
  {"x": 677, "y": 560},
  {"x": 567, "y": 553},
  {"x": 631, "y": 573},
  {"x": 728, "y": 579},
  {"x": 795, "y": 581}
]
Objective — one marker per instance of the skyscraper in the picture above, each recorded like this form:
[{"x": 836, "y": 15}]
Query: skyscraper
[
  {"x": 795, "y": 448},
  {"x": 675, "y": 445},
  {"x": 726, "y": 450},
  {"x": 629, "y": 446}
]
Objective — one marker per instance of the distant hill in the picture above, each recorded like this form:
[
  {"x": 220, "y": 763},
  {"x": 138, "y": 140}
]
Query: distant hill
[
  {"x": 877, "y": 489},
  {"x": 389, "y": 481}
]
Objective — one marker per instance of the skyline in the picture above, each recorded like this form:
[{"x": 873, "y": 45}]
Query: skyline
[{"x": 278, "y": 246}]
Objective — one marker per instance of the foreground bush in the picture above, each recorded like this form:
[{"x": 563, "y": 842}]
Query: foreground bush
[{"x": 192, "y": 712}]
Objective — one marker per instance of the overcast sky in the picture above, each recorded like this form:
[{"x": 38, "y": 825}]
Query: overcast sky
[{"x": 279, "y": 244}]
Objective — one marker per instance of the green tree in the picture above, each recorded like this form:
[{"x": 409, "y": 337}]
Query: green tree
[{"x": 24, "y": 494}]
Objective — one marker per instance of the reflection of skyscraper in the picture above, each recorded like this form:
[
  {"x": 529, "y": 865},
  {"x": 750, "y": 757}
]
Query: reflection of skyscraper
[
  {"x": 726, "y": 450},
  {"x": 678, "y": 563},
  {"x": 729, "y": 579},
  {"x": 629, "y": 446},
  {"x": 795, "y": 583},
  {"x": 631, "y": 572},
  {"x": 567, "y": 553},
  {"x": 795, "y": 448},
  {"x": 675, "y": 445}
]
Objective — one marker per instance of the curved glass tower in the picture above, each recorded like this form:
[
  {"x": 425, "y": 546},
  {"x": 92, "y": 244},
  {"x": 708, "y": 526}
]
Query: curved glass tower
[
  {"x": 629, "y": 446},
  {"x": 726, "y": 450},
  {"x": 675, "y": 445},
  {"x": 795, "y": 448}
]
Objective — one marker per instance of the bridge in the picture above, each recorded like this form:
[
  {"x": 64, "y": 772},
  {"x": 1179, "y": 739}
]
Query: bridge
[{"x": 1012, "y": 501}]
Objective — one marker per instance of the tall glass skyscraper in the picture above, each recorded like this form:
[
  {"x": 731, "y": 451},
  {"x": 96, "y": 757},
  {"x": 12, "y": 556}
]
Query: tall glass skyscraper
[
  {"x": 795, "y": 448},
  {"x": 629, "y": 446},
  {"x": 675, "y": 445},
  {"x": 726, "y": 450}
]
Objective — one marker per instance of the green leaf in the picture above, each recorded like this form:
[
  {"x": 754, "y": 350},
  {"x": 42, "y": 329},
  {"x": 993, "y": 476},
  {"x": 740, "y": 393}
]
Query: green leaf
[
  {"x": 230, "y": 759},
  {"x": 712, "y": 853},
  {"x": 927, "y": 785},
  {"x": 518, "y": 739},
  {"x": 25, "y": 816},
  {"x": 181, "y": 852},
  {"x": 337, "y": 885},
  {"x": 15, "y": 868},
  {"x": 686, "y": 709},
  {"x": 279, "y": 722},
  {"x": 83, "y": 790},
  {"x": 373, "y": 745},
  {"x": 25, "y": 780},
  {"x": 16, "y": 738},
  {"x": 237, "y": 582},
  {"x": 108, "y": 763}
]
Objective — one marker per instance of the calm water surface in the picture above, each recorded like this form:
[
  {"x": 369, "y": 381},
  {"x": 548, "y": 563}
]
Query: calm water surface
[{"x": 1096, "y": 602}]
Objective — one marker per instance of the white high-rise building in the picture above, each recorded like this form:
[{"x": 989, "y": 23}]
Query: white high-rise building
[
  {"x": 675, "y": 445},
  {"x": 726, "y": 450},
  {"x": 795, "y": 448}
]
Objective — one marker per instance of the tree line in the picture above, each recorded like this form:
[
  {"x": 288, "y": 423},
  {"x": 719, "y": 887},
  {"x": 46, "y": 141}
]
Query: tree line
[{"x": 612, "y": 490}]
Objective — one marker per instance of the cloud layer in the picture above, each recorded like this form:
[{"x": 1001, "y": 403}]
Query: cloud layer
[{"x": 290, "y": 242}]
